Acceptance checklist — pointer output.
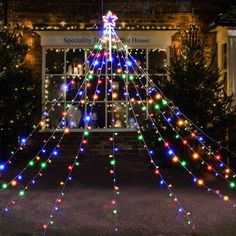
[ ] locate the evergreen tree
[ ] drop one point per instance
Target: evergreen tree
(196, 87)
(19, 96)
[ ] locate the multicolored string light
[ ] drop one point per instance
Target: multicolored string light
(63, 184)
(217, 157)
(41, 122)
(126, 61)
(43, 165)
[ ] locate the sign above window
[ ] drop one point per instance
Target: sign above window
(87, 39)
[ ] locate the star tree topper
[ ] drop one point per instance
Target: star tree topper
(109, 20)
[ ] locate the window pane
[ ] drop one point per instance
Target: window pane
(96, 84)
(54, 61)
(55, 116)
(137, 89)
(137, 61)
(137, 109)
(117, 111)
(75, 59)
(157, 61)
(117, 92)
(54, 87)
(74, 115)
(75, 88)
(157, 66)
(96, 111)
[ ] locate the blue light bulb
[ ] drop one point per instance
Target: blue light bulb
(170, 152)
(2, 167)
(23, 141)
(87, 118)
(129, 63)
(55, 152)
(19, 177)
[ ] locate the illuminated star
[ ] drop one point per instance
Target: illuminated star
(109, 19)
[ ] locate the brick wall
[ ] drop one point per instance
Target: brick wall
(98, 144)
(131, 13)
(132, 156)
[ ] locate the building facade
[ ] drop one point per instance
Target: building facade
(225, 28)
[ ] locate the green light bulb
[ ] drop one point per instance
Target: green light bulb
(113, 162)
(157, 106)
(31, 163)
(123, 76)
(176, 136)
(183, 163)
(89, 77)
(131, 77)
(164, 102)
(21, 193)
(43, 165)
(140, 137)
(4, 186)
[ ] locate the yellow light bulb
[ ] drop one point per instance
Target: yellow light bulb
(200, 182)
(195, 156)
(180, 122)
(114, 95)
(42, 123)
(66, 130)
(175, 159)
(13, 183)
(226, 198)
(158, 96)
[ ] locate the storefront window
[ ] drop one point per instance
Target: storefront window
(67, 79)
(54, 61)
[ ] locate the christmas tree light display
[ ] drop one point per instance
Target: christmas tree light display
(110, 63)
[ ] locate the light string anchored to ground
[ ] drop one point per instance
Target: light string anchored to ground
(181, 124)
(111, 48)
(43, 164)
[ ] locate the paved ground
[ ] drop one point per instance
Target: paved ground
(144, 207)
